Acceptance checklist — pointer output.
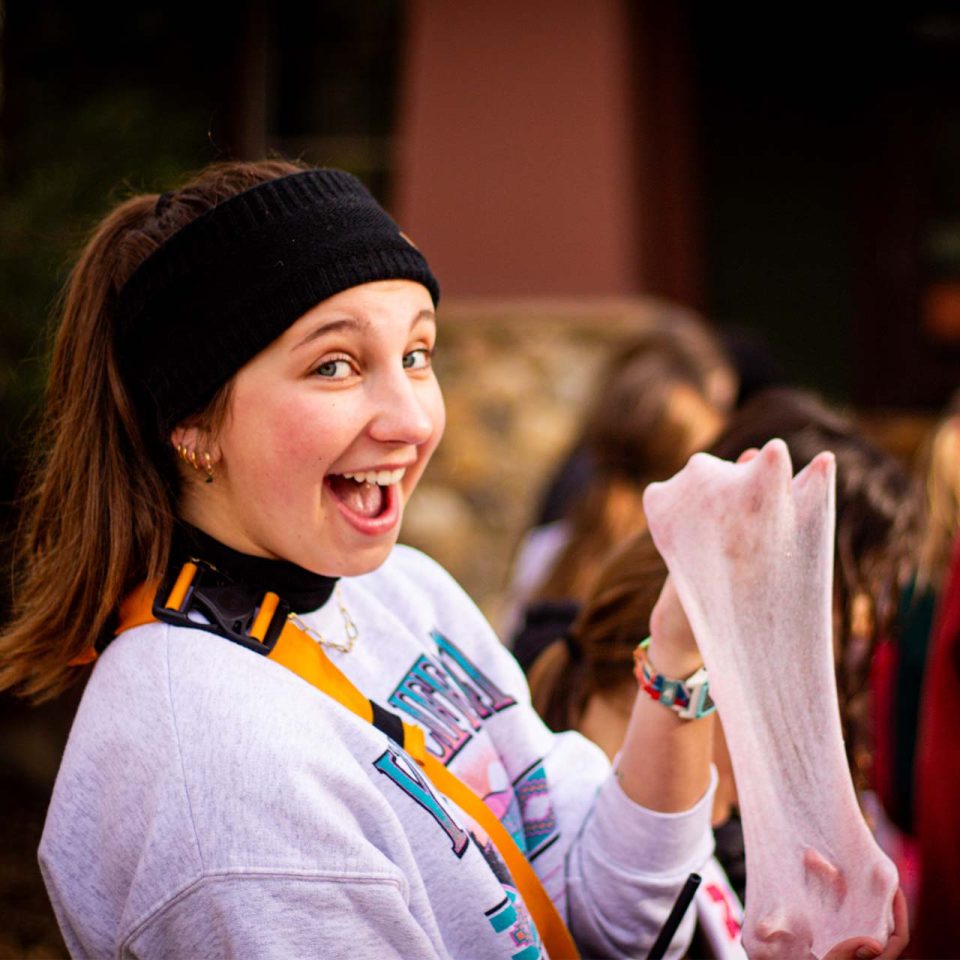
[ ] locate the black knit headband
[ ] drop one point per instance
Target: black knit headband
(230, 282)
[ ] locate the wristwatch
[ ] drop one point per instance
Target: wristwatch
(689, 699)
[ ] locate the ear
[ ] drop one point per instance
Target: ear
(193, 438)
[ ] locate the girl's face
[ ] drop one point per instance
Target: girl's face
(328, 432)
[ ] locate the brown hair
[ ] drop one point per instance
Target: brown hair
(939, 463)
(98, 514)
(650, 414)
(598, 655)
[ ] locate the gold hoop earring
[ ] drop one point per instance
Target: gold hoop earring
(190, 457)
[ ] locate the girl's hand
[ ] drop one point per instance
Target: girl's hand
(673, 648)
(865, 948)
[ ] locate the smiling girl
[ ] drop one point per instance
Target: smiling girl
(299, 738)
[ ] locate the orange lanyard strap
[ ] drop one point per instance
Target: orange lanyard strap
(271, 633)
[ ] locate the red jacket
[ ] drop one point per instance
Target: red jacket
(936, 927)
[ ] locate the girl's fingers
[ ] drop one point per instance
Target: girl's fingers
(866, 948)
(901, 928)
(856, 948)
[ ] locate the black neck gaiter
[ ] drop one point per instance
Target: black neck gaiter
(302, 589)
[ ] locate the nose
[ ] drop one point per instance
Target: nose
(405, 410)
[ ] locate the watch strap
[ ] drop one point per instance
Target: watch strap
(688, 698)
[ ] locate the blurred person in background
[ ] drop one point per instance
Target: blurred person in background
(900, 663)
(923, 759)
(661, 397)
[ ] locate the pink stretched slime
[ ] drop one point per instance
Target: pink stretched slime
(750, 550)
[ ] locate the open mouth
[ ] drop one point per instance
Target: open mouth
(368, 495)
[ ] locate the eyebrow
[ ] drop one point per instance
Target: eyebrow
(355, 323)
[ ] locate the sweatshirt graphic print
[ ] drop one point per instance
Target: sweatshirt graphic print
(451, 697)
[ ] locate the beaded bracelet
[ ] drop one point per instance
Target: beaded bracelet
(689, 699)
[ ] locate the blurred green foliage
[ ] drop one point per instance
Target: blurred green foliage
(86, 118)
(46, 214)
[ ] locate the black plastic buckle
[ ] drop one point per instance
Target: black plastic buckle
(228, 609)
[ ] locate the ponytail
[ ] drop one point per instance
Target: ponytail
(92, 524)
(98, 515)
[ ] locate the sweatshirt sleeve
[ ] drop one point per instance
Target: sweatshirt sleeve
(262, 916)
(626, 868)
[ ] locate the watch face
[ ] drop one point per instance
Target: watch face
(693, 699)
(706, 706)
(689, 698)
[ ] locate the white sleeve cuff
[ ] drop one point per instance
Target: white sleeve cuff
(647, 842)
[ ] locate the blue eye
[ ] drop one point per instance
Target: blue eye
(418, 359)
(336, 369)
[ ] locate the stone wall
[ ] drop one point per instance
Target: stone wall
(516, 375)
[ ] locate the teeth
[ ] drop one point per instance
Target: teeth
(383, 478)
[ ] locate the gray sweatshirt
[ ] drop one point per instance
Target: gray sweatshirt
(211, 803)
